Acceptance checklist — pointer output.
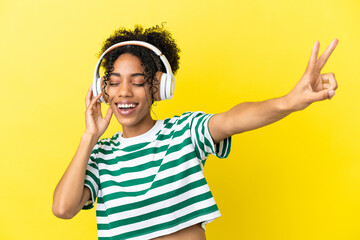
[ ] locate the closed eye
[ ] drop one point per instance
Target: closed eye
(135, 84)
(139, 84)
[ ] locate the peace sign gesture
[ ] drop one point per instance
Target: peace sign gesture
(314, 86)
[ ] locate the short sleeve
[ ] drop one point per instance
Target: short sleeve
(92, 178)
(202, 140)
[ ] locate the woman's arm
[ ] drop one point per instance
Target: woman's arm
(312, 87)
(70, 194)
(247, 116)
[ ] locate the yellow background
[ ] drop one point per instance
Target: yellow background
(296, 179)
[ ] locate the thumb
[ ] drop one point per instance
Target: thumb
(322, 95)
(109, 114)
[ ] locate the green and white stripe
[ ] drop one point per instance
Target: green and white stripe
(153, 184)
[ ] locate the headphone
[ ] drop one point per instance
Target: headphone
(167, 82)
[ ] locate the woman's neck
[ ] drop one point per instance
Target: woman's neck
(138, 129)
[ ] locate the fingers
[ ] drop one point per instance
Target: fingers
(313, 57)
(93, 101)
(88, 96)
(326, 54)
(330, 81)
(108, 114)
(318, 64)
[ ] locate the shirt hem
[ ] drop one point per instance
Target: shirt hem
(201, 219)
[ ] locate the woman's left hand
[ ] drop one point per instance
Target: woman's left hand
(314, 86)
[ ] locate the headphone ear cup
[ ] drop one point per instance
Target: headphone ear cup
(167, 86)
(172, 86)
(97, 89)
(163, 84)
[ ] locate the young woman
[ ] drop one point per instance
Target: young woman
(148, 179)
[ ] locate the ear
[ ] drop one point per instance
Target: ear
(157, 85)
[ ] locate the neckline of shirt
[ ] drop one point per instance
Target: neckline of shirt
(148, 136)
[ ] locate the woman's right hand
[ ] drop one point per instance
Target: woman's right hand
(95, 123)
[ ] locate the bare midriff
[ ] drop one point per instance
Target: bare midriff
(195, 232)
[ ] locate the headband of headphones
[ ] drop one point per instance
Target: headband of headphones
(167, 82)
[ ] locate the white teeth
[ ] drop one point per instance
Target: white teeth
(131, 105)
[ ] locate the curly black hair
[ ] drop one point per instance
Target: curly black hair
(157, 36)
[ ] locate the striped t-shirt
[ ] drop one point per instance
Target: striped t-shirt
(153, 184)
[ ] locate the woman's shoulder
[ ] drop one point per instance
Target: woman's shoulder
(108, 141)
(182, 119)
(186, 115)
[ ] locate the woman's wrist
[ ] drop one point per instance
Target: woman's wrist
(90, 138)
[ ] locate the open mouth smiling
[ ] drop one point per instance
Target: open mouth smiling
(126, 108)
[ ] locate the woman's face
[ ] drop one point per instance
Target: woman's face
(129, 94)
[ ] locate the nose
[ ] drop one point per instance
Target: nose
(125, 89)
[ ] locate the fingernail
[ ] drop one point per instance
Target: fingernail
(331, 93)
